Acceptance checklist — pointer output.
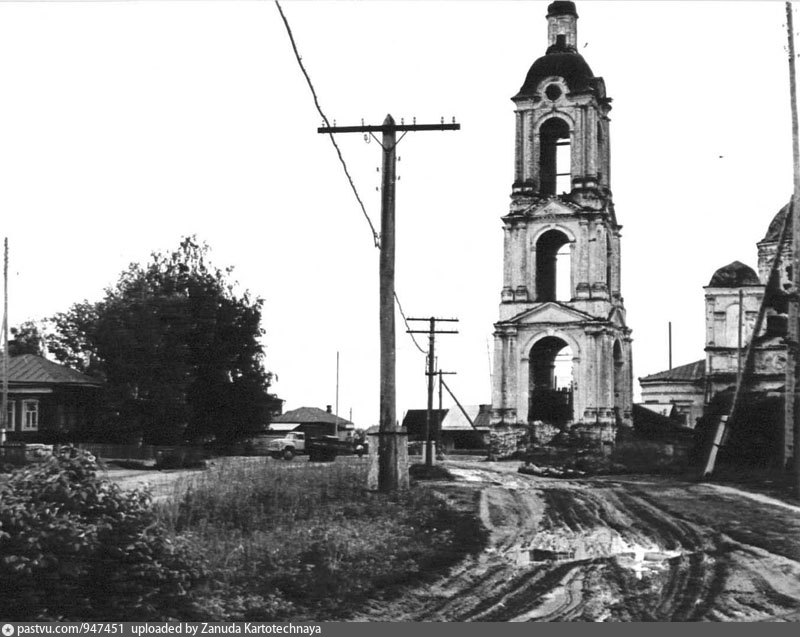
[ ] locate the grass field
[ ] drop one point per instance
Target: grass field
(305, 540)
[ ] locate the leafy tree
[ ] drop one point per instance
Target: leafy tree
(178, 346)
(68, 337)
(27, 339)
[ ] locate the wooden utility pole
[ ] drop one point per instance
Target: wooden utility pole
(669, 344)
(792, 407)
(440, 373)
(739, 339)
(438, 436)
(431, 332)
(389, 468)
(458, 404)
(337, 392)
(4, 402)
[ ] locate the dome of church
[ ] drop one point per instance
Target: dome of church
(776, 225)
(734, 275)
(562, 61)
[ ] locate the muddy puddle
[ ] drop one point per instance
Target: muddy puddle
(600, 544)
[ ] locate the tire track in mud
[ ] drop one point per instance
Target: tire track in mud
(601, 551)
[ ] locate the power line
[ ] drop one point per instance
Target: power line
(408, 327)
(375, 236)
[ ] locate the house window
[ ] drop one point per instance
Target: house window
(10, 424)
(30, 415)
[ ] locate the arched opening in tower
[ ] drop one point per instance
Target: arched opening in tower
(555, 158)
(551, 384)
(619, 381)
(553, 264)
(734, 315)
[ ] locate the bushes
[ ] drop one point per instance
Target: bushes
(74, 547)
(250, 542)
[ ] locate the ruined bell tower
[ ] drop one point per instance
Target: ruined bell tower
(562, 347)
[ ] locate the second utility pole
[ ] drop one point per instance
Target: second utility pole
(432, 332)
(389, 469)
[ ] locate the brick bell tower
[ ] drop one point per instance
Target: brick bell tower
(562, 347)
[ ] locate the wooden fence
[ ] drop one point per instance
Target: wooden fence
(19, 453)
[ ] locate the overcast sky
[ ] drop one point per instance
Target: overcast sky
(126, 125)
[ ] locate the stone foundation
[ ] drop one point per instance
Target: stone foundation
(594, 434)
(374, 436)
(504, 442)
(542, 433)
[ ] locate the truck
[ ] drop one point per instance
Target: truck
(318, 448)
(288, 446)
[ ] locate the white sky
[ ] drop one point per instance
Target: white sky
(125, 125)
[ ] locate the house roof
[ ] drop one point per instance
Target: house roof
(303, 415)
(30, 369)
(685, 373)
(662, 409)
(414, 420)
(455, 420)
(451, 419)
(283, 426)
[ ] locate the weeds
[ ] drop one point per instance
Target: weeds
(304, 540)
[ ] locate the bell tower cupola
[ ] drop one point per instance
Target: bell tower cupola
(562, 111)
(562, 25)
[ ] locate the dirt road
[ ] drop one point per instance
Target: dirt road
(624, 549)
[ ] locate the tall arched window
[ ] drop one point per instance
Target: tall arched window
(732, 318)
(601, 152)
(553, 258)
(554, 159)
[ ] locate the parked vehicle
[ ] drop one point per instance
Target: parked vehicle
(289, 446)
(318, 448)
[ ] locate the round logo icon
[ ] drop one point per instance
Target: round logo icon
(8, 630)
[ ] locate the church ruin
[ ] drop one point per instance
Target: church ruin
(746, 322)
(562, 347)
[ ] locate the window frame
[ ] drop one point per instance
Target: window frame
(11, 416)
(25, 426)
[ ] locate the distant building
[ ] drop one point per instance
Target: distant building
(736, 299)
(678, 393)
(48, 402)
(455, 430)
(415, 419)
(313, 421)
(459, 433)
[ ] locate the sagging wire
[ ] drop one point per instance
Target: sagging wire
(408, 327)
(375, 235)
